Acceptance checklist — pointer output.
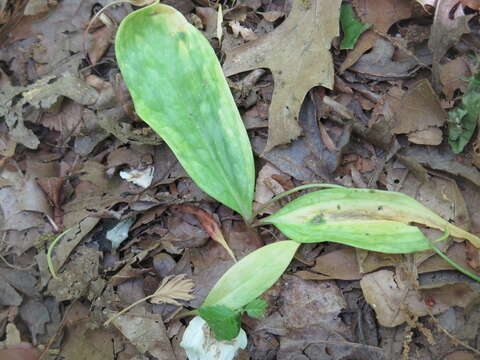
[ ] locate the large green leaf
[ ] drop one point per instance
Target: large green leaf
(251, 276)
(368, 219)
(178, 88)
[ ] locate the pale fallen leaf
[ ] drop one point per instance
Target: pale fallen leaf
(297, 53)
(172, 288)
(245, 33)
(267, 187)
(140, 177)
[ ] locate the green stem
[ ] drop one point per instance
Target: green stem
(450, 261)
(49, 254)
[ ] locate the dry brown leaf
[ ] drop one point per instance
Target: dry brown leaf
(272, 16)
(365, 42)
(339, 264)
(453, 74)
(419, 114)
(267, 187)
(173, 288)
(383, 13)
(210, 226)
(379, 63)
(297, 53)
(418, 109)
(394, 302)
(430, 136)
(446, 30)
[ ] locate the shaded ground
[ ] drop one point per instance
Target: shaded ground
(74, 155)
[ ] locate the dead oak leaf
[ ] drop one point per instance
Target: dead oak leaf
(297, 53)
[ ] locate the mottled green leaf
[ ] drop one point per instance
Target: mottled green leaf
(368, 219)
(463, 119)
(352, 28)
(178, 88)
(224, 322)
(252, 276)
(256, 308)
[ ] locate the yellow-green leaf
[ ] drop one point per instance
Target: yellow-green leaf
(252, 276)
(178, 88)
(368, 219)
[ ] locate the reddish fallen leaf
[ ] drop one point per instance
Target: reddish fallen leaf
(209, 225)
(23, 351)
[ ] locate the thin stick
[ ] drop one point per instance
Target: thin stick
(106, 323)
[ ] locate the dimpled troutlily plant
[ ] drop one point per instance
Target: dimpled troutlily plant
(179, 90)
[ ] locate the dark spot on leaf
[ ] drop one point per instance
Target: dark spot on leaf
(318, 219)
(182, 36)
(338, 207)
(380, 208)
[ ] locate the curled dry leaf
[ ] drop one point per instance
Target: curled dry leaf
(210, 226)
(172, 288)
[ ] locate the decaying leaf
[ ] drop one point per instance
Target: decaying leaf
(308, 158)
(302, 39)
(173, 288)
(210, 226)
(419, 110)
(147, 332)
(442, 159)
(446, 30)
(394, 302)
(453, 76)
(379, 63)
(382, 14)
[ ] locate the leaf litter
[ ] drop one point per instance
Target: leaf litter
(372, 115)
